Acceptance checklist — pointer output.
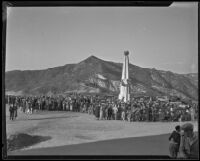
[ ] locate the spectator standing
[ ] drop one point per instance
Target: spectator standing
(109, 112)
(11, 110)
(192, 113)
(123, 114)
(189, 148)
(106, 112)
(115, 110)
(15, 111)
(71, 106)
(97, 111)
(174, 142)
(101, 112)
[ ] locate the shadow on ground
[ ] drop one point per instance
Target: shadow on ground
(21, 140)
(156, 145)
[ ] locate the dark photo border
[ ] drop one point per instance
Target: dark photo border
(6, 4)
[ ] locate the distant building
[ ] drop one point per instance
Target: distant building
(163, 98)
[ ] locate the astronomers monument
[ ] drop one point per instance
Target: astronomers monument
(124, 94)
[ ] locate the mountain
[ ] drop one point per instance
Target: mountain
(94, 75)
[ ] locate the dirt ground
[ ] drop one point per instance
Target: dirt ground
(67, 128)
(146, 146)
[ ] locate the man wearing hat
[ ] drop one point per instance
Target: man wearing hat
(189, 142)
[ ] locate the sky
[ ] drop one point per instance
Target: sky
(165, 38)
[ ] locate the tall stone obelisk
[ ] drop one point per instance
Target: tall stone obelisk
(124, 94)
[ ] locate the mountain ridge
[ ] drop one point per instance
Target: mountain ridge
(85, 77)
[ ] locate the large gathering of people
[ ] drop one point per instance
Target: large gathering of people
(106, 107)
(148, 109)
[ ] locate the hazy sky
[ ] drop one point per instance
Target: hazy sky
(165, 38)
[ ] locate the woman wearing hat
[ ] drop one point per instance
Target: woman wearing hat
(189, 142)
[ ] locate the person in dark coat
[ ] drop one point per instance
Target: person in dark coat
(147, 113)
(174, 142)
(106, 112)
(109, 112)
(15, 111)
(11, 110)
(97, 111)
(150, 114)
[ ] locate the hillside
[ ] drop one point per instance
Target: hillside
(94, 75)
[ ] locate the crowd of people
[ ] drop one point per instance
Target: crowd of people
(105, 107)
